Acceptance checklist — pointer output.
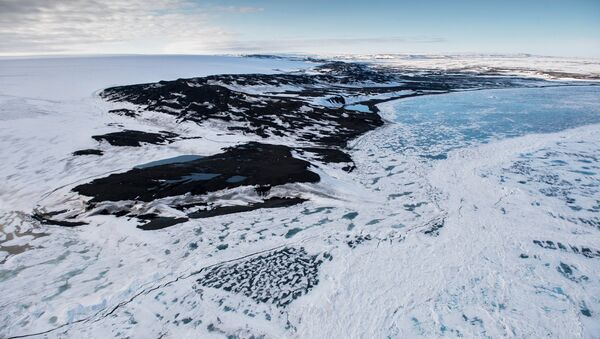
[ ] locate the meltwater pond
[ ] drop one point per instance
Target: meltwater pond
(432, 125)
(173, 160)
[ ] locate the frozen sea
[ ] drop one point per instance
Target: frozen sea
(434, 125)
(469, 214)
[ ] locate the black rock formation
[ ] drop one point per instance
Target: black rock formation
(136, 138)
(253, 164)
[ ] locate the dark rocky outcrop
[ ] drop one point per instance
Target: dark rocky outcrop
(135, 138)
(252, 164)
(88, 152)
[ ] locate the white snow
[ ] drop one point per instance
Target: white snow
(519, 64)
(79, 77)
(480, 275)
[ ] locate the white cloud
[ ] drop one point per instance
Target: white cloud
(239, 9)
(154, 26)
(107, 26)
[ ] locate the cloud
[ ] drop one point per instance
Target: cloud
(97, 26)
(239, 9)
(154, 26)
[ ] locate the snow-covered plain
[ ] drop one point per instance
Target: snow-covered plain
(522, 64)
(438, 232)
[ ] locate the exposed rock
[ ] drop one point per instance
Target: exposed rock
(88, 152)
(136, 138)
(259, 164)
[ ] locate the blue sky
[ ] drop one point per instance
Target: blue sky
(529, 26)
(547, 27)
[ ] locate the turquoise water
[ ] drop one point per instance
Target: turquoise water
(174, 160)
(236, 179)
(435, 124)
(359, 108)
(193, 177)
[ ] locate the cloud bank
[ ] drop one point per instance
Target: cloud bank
(149, 27)
(107, 26)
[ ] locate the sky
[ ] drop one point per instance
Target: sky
(542, 27)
